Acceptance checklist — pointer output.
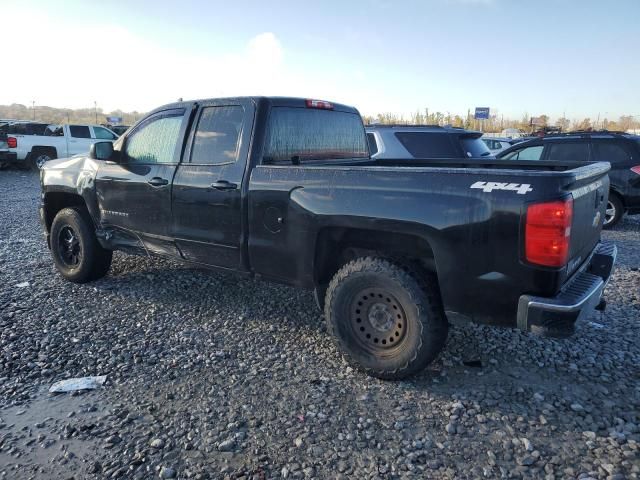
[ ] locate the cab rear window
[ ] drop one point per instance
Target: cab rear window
(299, 135)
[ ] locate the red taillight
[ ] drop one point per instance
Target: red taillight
(319, 104)
(12, 142)
(636, 169)
(548, 231)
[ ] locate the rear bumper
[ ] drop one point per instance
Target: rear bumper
(556, 316)
(8, 156)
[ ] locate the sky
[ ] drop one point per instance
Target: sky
(577, 58)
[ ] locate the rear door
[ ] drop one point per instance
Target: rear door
(134, 194)
(207, 188)
(620, 156)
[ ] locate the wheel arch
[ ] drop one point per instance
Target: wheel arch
(613, 190)
(53, 202)
(336, 246)
(44, 148)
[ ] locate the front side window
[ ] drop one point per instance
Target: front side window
(79, 131)
(427, 144)
(217, 137)
(569, 151)
(154, 142)
(297, 135)
(527, 153)
(103, 133)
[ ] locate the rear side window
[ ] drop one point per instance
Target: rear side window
(304, 134)
(79, 131)
(611, 152)
(217, 137)
(373, 146)
(427, 145)
(475, 147)
(54, 131)
(568, 151)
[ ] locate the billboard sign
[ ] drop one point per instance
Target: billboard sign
(482, 113)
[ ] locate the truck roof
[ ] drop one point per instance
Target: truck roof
(266, 101)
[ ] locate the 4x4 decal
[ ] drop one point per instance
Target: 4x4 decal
(520, 188)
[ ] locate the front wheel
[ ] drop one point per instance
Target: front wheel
(76, 252)
(386, 319)
(614, 212)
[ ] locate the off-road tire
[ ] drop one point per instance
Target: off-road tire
(419, 330)
(91, 261)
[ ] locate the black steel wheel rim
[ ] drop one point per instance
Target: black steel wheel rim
(377, 320)
(69, 247)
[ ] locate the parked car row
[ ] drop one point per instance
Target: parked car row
(621, 150)
(32, 144)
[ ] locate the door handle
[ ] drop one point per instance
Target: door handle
(158, 182)
(224, 185)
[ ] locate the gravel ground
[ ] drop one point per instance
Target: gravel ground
(210, 376)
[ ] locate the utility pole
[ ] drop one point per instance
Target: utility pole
(95, 109)
(33, 107)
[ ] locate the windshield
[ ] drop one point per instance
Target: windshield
(475, 147)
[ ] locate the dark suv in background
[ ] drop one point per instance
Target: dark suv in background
(621, 150)
(425, 141)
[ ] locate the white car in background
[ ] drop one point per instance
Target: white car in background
(58, 141)
(498, 144)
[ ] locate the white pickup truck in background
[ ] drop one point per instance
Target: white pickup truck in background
(58, 141)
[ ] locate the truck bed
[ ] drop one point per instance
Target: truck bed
(469, 213)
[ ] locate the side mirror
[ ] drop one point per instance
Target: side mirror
(101, 151)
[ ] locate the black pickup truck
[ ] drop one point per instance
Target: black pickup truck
(285, 189)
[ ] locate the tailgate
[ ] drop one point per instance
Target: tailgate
(590, 191)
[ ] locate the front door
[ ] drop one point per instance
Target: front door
(79, 140)
(134, 193)
(207, 188)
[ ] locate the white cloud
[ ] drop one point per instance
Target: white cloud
(70, 65)
(67, 65)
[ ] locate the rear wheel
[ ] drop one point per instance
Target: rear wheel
(40, 156)
(76, 252)
(386, 319)
(614, 212)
